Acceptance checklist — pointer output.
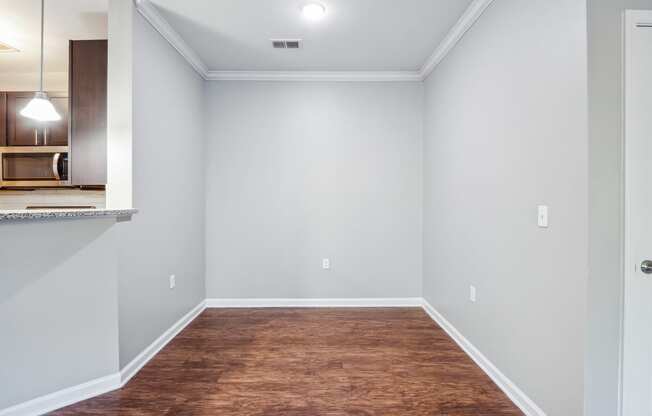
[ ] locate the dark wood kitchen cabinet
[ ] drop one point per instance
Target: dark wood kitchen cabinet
(23, 131)
(3, 119)
(88, 103)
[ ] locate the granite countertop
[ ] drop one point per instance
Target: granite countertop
(53, 214)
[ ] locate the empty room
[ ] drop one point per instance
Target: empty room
(325, 207)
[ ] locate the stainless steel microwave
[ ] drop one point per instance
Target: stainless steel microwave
(34, 167)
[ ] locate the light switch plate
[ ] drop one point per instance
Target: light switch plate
(472, 294)
(325, 264)
(173, 281)
(542, 216)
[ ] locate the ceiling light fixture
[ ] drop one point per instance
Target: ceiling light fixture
(5, 48)
(313, 11)
(40, 108)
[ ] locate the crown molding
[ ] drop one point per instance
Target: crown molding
(468, 19)
(151, 14)
(334, 76)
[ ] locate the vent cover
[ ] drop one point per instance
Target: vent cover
(6, 48)
(286, 43)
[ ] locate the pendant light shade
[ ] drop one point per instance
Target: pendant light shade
(40, 108)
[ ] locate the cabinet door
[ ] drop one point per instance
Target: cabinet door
(3, 119)
(23, 131)
(88, 102)
(56, 133)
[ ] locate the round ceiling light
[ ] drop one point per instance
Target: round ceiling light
(313, 11)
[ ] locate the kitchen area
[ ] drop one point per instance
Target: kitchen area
(53, 105)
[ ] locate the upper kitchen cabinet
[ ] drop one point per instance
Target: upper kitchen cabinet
(3, 119)
(88, 115)
(23, 131)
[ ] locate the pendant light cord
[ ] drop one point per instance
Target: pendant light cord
(42, 46)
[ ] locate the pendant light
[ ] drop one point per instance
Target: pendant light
(40, 108)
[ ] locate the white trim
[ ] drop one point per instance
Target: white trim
(149, 12)
(336, 76)
(468, 19)
(512, 391)
(150, 352)
(623, 216)
(65, 397)
(315, 303)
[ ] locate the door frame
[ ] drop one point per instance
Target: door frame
(631, 19)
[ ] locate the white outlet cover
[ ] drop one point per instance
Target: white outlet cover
(173, 281)
(472, 294)
(326, 264)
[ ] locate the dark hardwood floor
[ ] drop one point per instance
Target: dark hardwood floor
(306, 362)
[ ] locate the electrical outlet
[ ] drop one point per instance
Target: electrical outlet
(173, 281)
(472, 293)
(325, 264)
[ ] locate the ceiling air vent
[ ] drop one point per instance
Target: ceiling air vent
(286, 43)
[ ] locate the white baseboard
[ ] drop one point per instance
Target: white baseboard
(66, 397)
(315, 303)
(148, 353)
(515, 394)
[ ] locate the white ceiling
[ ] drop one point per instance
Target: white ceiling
(355, 35)
(64, 20)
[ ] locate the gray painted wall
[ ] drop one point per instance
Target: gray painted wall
(605, 199)
(58, 306)
(167, 235)
(82, 298)
(505, 131)
(513, 87)
(297, 172)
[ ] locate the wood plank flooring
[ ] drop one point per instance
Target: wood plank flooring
(307, 362)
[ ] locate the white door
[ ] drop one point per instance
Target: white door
(637, 354)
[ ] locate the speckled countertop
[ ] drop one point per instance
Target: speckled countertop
(53, 214)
